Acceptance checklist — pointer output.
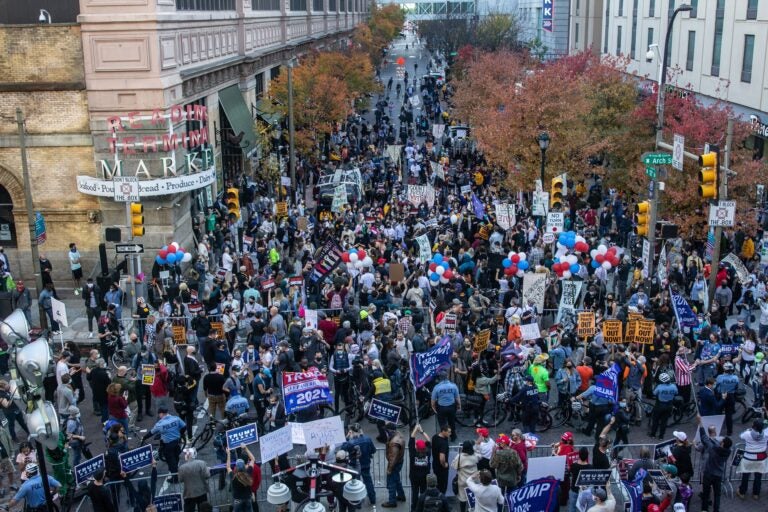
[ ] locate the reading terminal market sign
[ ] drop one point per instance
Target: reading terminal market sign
(136, 150)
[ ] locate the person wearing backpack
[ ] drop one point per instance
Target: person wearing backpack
(432, 500)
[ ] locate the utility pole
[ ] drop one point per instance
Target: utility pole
(30, 214)
(291, 148)
(722, 195)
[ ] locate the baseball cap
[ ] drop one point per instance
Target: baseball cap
(482, 431)
(421, 445)
(600, 493)
(504, 440)
(670, 468)
(680, 436)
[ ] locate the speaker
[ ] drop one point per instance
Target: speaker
(15, 327)
(103, 259)
(112, 234)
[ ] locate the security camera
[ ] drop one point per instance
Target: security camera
(649, 56)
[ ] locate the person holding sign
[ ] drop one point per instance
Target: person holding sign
(242, 481)
(170, 428)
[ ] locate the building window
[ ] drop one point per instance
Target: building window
(621, 8)
(577, 7)
(618, 40)
(192, 126)
(691, 50)
(205, 5)
(7, 224)
(746, 63)
(751, 9)
(650, 37)
(605, 30)
(717, 44)
(633, 42)
(259, 85)
(577, 33)
(298, 5)
(274, 72)
(651, 8)
(265, 5)
(318, 5)
(332, 5)
(694, 8)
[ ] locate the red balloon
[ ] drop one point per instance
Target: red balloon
(508, 271)
(163, 254)
(513, 268)
(361, 254)
(447, 274)
(171, 248)
(432, 267)
(600, 258)
(615, 261)
(559, 273)
(515, 258)
(345, 257)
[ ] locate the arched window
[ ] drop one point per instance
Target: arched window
(7, 225)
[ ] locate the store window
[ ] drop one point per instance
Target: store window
(7, 225)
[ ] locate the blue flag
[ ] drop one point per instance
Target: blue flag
(539, 495)
(478, 206)
(425, 366)
(607, 383)
(683, 312)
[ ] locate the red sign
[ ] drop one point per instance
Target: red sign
(267, 284)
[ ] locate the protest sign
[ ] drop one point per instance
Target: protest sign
(220, 367)
(310, 318)
(571, 291)
(267, 284)
(741, 271)
(607, 383)
(449, 323)
(136, 459)
(612, 331)
(241, 436)
(87, 469)
(168, 503)
(430, 223)
(634, 317)
(482, 339)
(663, 449)
(593, 477)
(505, 215)
(276, 443)
(534, 288)
(339, 198)
(426, 365)
(545, 467)
(396, 272)
(247, 243)
(147, 374)
(659, 479)
(327, 258)
(281, 209)
(683, 312)
(326, 431)
(383, 411)
(530, 332)
(295, 281)
(302, 390)
(297, 433)
(644, 332)
(302, 223)
(466, 189)
(586, 324)
(425, 250)
(537, 495)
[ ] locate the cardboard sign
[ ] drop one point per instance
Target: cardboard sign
(586, 325)
(326, 431)
(543, 467)
(449, 323)
(85, 470)
(297, 433)
(242, 436)
(281, 209)
(612, 331)
(634, 317)
(139, 458)
(220, 367)
(396, 272)
(302, 223)
(276, 443)
(466, 189)
(530, 332)
(658, 478)
(147, 374)
(430, 223)
(715, 420)
(645, 331)
(593, 477)
(482, 339)
(169, 503)
(267, 284)
(247, 243)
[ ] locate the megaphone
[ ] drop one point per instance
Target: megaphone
(43, 424)
(15, 329)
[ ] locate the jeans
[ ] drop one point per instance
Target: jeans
(714, 483)
(365, 473)
(193, 504)
(395, 483)
(54, 325)
(122, 421)
(77, 452)
(242, 506)
(92, 313)
(756, 486)
(13, 415)
(573, 498)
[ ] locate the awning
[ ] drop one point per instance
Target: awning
(267, 113)
(239, 116)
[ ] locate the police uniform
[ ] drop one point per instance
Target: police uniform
(665, 394)
(33, 494)
(728, 383)
(170, 427)
(446, 396)
(528, 398)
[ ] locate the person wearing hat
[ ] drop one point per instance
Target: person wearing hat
(340, 367)
(681, 453)
(432, 500)
(194, 475)
(726, 385)
(170, 429)
(32, 491)
(420, 461)
(665, 393)
(529, 399)
(360, 443)
(75, 434)
(446, 402)
(506, 463)
(484, 448)
(604, 500)
(242, 481)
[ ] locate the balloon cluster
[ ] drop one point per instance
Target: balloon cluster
(566, 266)
(605, 257)
(515, 264)
(570, 240)
(439, 270)
(172, 254)
(357, 257)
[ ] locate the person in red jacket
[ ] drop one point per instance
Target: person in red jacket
(160, 389)
(256, 477)
(518, 444)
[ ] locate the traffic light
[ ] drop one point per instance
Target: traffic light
(708, 175)
(642, 218)
(233, 202)
(556, 193)
(137, 219)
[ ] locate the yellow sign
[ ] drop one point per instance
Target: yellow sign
(612, 331)
(632, 317)
(482, 339)
(282, 209)
(645, 332)
(220, 367)
(147, 374)
(586, 325)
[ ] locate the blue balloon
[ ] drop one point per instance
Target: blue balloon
(437, 258)
(523, 265)
(594, 264)
(574, 268)
(159, 260)
(171, 258)
(164, 248)
(434, 277)
(352, 250)
(506, 263)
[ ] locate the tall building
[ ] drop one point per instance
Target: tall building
(713, 52)
(545, 24)
(164, 90)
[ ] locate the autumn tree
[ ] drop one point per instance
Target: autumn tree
(383, 26)
(353, 67)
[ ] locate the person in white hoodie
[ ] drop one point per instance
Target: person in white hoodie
(487, 495)
(755, 460)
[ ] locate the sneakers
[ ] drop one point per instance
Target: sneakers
(90, 335)
(740, 495)
(389, 504)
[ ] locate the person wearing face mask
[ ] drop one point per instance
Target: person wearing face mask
(75, 435)
(340, 368)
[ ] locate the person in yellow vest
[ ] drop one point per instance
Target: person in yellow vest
(382, 390)
(540, 376)
(747, 249)
(479, 179)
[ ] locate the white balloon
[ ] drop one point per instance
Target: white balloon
(520, 273)
(593, 253)
(602, 249)
(443, 280)
(454, 219)
(186, 258)
(567, 274)
(522, 255)
(175, 244)
(353, 257)
(561, 253)
(572, 259)
(359, 263)
(580, 238)
(606, 265)
(560, 246)
(439, 270)
(433, 283)
(511, 253)
(367, 261)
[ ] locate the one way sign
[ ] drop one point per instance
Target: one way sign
(129, 248)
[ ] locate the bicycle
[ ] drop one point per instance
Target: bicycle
(504, 409)
(572, 413)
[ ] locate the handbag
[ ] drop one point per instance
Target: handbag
(455, 481)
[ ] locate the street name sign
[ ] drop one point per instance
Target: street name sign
(657, 159)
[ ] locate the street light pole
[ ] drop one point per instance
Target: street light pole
(654, 190)
(291, 148)
(543, 140)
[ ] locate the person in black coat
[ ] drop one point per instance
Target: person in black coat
(99, 380)
(710, 403)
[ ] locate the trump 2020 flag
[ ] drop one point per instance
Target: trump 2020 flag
(539, 495)
(426, 365)
(683, 312)
(607, 383)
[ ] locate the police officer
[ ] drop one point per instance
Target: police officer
(170, 428)
(340, 368)
(361, 449)
(665, 393)
(236, 405)
(726, 385)
(446, 402)
(528, 399)
(599, 407)
(32, 491)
